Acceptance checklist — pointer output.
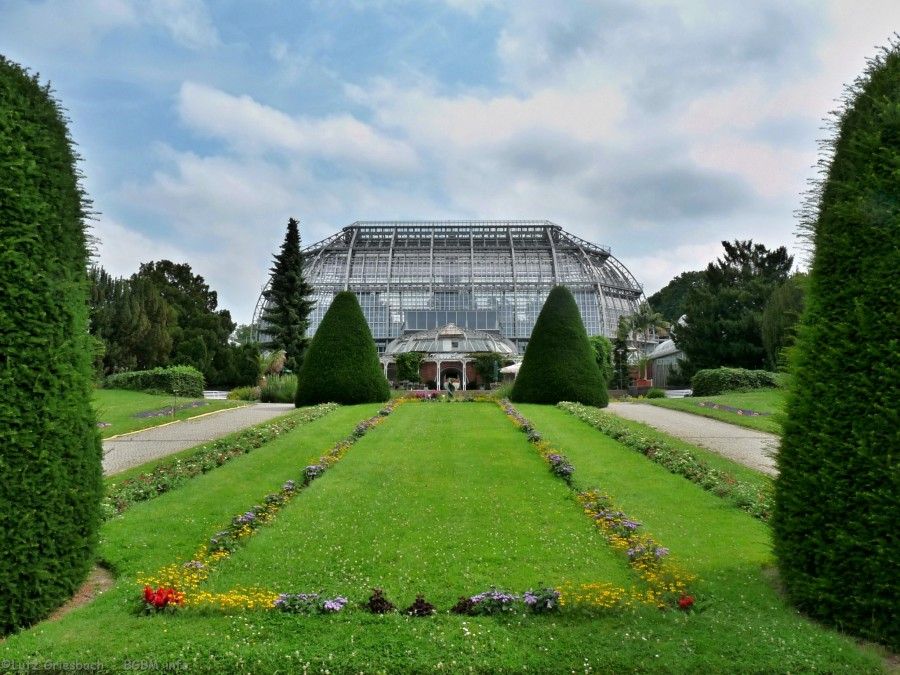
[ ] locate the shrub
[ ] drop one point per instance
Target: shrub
(378, 604)
(559, 363)
(244, 394)
(836, 505)
(712, 381)
(182, 380)
(50, 472)
(603, 349)
(655, 392)
(341, 364)
(279, 389)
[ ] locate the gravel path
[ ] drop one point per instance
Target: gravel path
(755, 449)
(128, 450)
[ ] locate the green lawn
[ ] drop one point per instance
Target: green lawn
(118, 407)
(467, 505)
(759, 400)
(443, 499)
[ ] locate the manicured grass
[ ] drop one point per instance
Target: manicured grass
(759, 400)
(465, 506)
(453, 463)
(118, 407)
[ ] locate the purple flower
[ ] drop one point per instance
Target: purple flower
(288, 486)
(334, 604)
(661, 551)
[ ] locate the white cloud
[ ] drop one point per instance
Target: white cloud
(64, 24)
(121, 250)
(656, 270)
(251, 127)
(187, 21)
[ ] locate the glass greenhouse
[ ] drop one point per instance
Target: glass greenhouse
(493, 276)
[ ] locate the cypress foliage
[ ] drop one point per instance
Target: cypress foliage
(341, 363)
(288, 302)
(559, 363)
(838, 493)
(50, 475)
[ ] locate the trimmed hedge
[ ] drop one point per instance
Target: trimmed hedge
(184, 380)
(837, 504)
(712, 381)
(341, 364)
(560, 364)
(50, 472)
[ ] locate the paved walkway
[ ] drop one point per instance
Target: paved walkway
(751, 448)
(126, 451)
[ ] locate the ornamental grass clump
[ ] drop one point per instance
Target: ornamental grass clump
(559, 363)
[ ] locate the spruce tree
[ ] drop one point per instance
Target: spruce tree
(288, 302)
(837, 498)
(341, 364)
(50, 472)
(559, 363)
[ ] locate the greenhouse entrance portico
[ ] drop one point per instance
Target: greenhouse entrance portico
(448, 353)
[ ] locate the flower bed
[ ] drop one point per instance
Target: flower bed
(185, 579)
(666, 583)
(756, 501)
(170, 475)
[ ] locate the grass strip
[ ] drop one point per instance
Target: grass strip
(667, 585)
(172, 473)
(177, 585)
(116, 408)
(755, 499)
(769, 401)
(446, 500)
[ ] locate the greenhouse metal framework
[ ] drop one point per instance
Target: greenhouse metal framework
(486, 275)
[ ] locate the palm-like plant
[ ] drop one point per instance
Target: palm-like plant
(638, 327)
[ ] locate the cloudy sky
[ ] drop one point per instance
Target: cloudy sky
(656, 128)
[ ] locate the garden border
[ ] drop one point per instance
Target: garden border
(172, 474)
(758, 502)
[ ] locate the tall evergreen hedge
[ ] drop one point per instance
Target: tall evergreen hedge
(560, 364)
(341, 364)
(837, 503)
(50, 475)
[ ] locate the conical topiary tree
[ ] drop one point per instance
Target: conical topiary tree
(50, 475)
(837, 497)
(341, 363)
(559, 363)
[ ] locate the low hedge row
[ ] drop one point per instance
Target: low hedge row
(712, 381)
(180, 380)
(756, 501)
(170, 475)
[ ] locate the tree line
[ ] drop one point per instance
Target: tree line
(741, 311)
(164, 314)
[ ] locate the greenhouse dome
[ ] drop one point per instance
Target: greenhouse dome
(483, 275)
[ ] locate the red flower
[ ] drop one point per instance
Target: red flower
(686, 602)
(161, 597)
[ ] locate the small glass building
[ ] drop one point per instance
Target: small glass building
(482, 275)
